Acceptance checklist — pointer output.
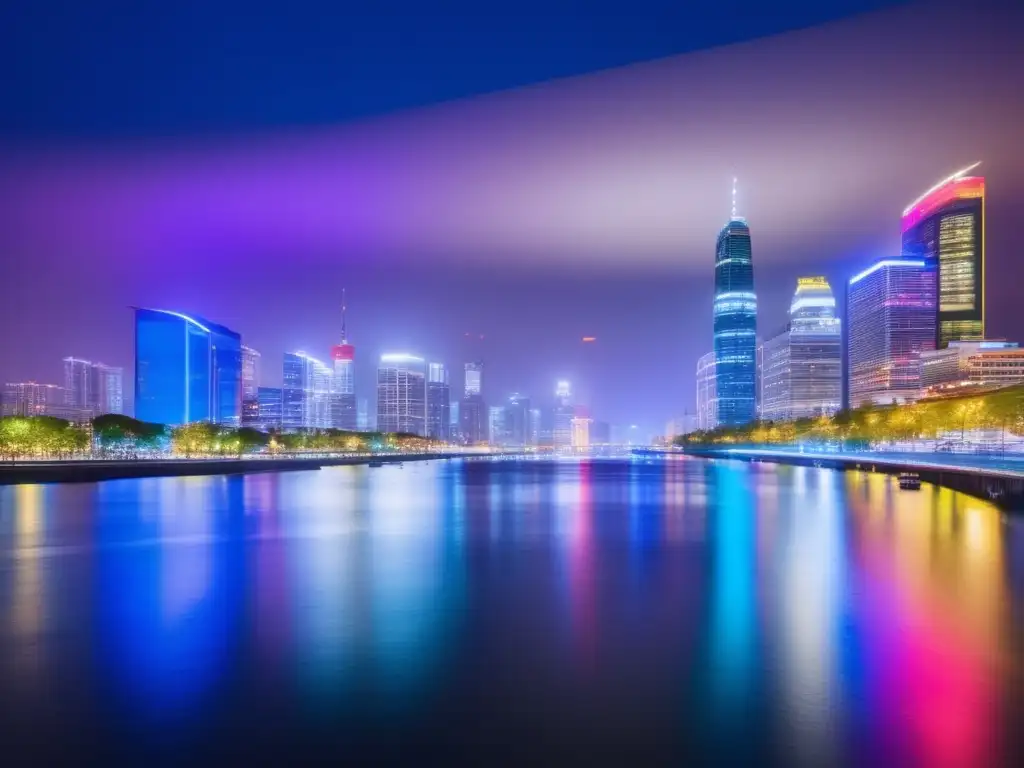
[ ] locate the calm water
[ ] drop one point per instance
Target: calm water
(470, 611)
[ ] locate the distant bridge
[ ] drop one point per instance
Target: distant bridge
(995, 478)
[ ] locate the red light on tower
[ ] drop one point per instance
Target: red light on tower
(343, 352)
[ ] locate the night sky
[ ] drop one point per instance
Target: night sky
(533, 178)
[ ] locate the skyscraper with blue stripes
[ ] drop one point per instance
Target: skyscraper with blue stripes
(735, 324)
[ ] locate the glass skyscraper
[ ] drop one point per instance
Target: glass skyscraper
(401, 394)
(305, 397)
(561, 434)
(269, 401)
(801, 375)
(735, 325)
(891, 321)
(438, 402)
(250, 386)
(344, 409)
(186, 369)
(473, 414)
(707, 417)
(93, 388)
(946, 227)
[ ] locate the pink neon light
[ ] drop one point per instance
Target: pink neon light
(957, 189)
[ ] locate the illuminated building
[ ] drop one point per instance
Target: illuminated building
(707, 415)
(186, 369)
(93, 388)
(971, 364)
(891, 322)
(517, 421)
(344, 409)
(269, 402)
(580, 427)
(306, 394)
(564, 412)
(496, 425)
(438, 402)
(250, 386)
(735, 324)
(535, 426)
(363, 414)
(473, 414)
(802, 365)
(946, 226)
(28, 398)
(401, 394)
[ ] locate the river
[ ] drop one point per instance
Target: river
(496, 611)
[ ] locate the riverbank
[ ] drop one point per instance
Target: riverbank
(90, 471)
(995, 481)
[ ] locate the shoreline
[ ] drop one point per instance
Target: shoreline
(91, 471)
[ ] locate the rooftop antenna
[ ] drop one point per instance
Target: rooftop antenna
(734, 216)
(344, 307)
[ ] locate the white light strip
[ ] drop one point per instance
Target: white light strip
(186, 318)
(886, 263)
(941, 184)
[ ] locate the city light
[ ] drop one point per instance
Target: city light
(885, 263)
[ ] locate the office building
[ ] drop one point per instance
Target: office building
(971, 364)
(517, 421)
(344, 409)
(563, 415)
(580, 428)
(707, 414)
(93, 388)
(802, 364)
(891, 322)
(401, 394)
(363, 415)
(186, 369)
(29, 398)
(438, 402)
(306, 394)
(496, 425)
(735, 324)
(473, 414)
(250, 386)
(535, 426)
(946, 227)
(269, 408)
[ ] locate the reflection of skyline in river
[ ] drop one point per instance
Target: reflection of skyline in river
(840, 615)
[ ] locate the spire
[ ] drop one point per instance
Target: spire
(344, 307)
(734, 216)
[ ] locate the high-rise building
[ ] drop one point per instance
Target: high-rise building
(496, 425)
(250, 387)
(971, 363)
(707, 413)
(802, 365)
(186, 369)
(363, 414)
(306, 394)
(28, 398)
(401, 394)
(535, 426)
(93, 388)
(473, 414)
(735, 323)
(891, 321)
(946, 227)
(269, 404)
(438, 402)
(344, 409)
(517, 421)
(564, 412)
(580, 428)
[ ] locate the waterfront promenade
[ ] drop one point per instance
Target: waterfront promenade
(996, 478)
(92, 470)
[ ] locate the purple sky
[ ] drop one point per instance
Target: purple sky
(585, 206)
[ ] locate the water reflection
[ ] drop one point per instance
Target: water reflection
(736, 612)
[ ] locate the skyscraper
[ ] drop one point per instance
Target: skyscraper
(305, 396)
(344, 410)
(735, 323)
(473, 415)
(438, 402)
(580, 427)
(401, 394)
(93, 388)
(517, 421)
(564, 412)
(250, 386)
(186, 369)
(891, 321)
(802, 364)
(707, 414)
(28, 398)
(946, 227)
(496, 425)
(269, 403)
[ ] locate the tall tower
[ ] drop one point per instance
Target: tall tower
(344, 409)
(946, 227)
(401, 394)
(735, 323)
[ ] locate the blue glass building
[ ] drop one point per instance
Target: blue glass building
(735, 324)
(186, 369)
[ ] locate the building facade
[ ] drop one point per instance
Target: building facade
(735, 326)
(946, 227)
(270, 408)
(707, 413)
(891, 322)
(306, 394)
(401, 394)
(438, 402)
(971, 364)
(561, 430)
(250, 386)
(518, 432)
(186, 369)
(344, 407)
(93, 388)
(28, 398)
(474, 424)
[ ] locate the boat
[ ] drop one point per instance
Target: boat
(910, 481)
